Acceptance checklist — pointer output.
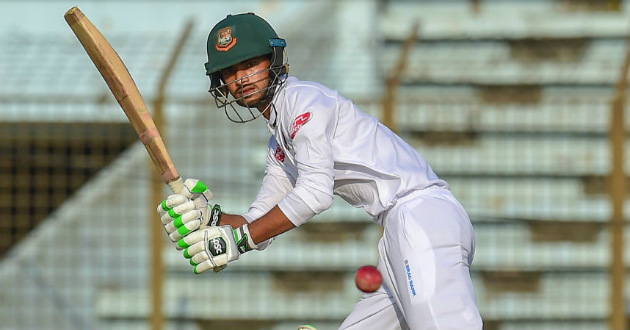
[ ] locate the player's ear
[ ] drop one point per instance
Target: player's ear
(216, 83)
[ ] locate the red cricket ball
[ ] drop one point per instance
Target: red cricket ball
(368, 278)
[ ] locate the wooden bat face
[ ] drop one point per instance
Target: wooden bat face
(122, 85)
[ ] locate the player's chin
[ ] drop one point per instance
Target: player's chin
(250, 101)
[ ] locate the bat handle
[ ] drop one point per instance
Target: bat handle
(176, 185)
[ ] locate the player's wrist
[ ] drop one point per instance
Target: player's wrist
(244, 240)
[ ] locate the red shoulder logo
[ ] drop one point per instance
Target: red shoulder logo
(299, 122)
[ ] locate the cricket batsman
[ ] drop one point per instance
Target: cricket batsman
(322, 145)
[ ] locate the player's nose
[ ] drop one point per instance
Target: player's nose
(242, 76)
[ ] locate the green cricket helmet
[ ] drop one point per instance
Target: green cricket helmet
(235, 39)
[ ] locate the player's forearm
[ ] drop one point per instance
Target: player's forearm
(270, 225)
(233, 220)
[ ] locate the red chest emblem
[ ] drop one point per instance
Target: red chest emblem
(279, 154)
(299, 122)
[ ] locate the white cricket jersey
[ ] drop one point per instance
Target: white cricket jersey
(323, 145)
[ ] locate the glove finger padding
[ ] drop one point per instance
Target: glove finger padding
(178, 211)
(184, 230)
(198, 191)
(171, 202)
(181, 219)
(195, 249)
(201, 195)
(179, 225)
(186, 212)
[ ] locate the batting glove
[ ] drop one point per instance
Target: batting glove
(188, 211)
(213, 247)
(306, 327)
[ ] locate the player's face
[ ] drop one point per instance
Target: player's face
(247, 81)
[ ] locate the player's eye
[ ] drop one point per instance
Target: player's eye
(227, 73)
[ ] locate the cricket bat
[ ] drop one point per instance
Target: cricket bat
(126, 93)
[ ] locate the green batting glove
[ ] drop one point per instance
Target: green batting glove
(184, 213)
(214, 247)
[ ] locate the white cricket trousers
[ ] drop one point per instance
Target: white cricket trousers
(425, 255)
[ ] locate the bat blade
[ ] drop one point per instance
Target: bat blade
(124, 89)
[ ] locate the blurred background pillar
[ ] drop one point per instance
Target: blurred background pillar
(393, 80)
(617, 189)
(157, 194)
